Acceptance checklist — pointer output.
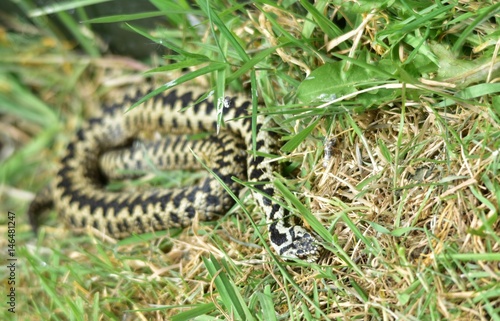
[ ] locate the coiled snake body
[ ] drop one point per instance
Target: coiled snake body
(97, 154)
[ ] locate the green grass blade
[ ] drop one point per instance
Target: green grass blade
(135, 16)
(182, 79)
(482, 14)
(63, 6)
(194, 313)
(228, 35)
(230, 296)
(296, 140)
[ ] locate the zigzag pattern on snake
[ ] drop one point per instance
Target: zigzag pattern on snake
(102, 149)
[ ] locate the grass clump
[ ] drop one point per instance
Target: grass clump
(389, 115)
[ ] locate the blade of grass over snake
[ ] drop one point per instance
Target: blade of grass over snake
(304, 212)
(316, 225)
(295, 141)
(182, 79)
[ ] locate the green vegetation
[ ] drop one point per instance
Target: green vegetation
(390, 118)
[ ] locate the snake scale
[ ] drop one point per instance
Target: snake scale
(104, 147)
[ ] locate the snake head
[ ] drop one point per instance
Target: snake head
(294, 242)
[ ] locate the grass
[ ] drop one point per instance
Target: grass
(389, 114)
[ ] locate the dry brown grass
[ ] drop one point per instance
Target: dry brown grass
(408, 186)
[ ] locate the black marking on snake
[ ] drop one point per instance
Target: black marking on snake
(166, 145)
(168, 100)
(70, 153)
(186, 99)
(188, 124)
(184, 143)
(203, 143)
(120, 227)
(241, 111)
(201, 126)
(269, 192)
(136, 203)
(83, 222)
(191, 196)
(191, 212)
(178, 199)
(156, 101)
(125, 225)
(109, 226)
(156, 147)
(223, 163)
(83, 202)
(209, 107)
(158, 219)
(174, 218)
(139, 224)
(228, 180)
(108, 110)
(80, 134)
(278, 238)
(198, 105)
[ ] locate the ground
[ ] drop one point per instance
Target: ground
(389, 116)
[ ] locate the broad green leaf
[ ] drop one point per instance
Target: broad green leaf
(333, 80)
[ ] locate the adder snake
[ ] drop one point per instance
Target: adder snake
(98, 152)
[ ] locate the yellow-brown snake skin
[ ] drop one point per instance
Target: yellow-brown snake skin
(103, 148)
